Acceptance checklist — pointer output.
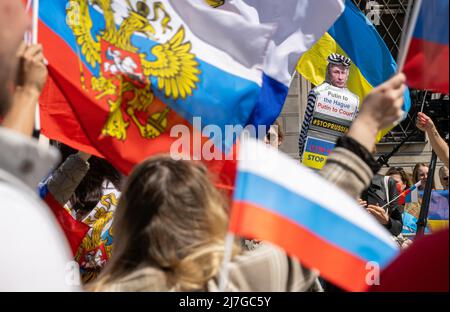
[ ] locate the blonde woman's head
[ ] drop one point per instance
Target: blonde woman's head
(171, 218)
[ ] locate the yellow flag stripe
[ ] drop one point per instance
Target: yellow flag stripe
(313, 66)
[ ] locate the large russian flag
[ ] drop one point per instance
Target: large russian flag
(127, 77)
(280, 201)
(427, 64)
(299, 25)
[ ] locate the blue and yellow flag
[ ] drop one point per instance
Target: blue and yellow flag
(353, 35)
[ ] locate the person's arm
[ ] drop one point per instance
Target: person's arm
(438, 144)
(65, 180)
(306, 122)
(351, 165)
(31, 77)
(391, 217)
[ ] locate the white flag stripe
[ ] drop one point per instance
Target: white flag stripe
(300, 24)
(199, 21)
(275, 166)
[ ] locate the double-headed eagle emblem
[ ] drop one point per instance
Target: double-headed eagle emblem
(215, 3)
(125, 72)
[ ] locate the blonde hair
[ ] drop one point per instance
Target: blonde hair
(172, 219)
(416, 177)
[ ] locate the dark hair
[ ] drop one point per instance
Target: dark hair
(280, 132)
(400, 171)
(90, 191)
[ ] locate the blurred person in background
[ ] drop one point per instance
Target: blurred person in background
(420, 173)
(443, 176)
(88, 187)
(275, 136)
(439, 145)
(401, 177)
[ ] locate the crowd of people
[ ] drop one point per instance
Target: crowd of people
(163, 228)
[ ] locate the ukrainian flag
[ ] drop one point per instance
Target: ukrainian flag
(354, 36)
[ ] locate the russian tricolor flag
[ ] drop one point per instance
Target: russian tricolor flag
(412, 194)
(164, 64)
(427, 64)
(279, 201)
(299, 25)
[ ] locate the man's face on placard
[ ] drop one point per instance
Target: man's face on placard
(339, 75)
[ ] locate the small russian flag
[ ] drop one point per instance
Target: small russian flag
(282, 202)
(427, 64)
(411, 195)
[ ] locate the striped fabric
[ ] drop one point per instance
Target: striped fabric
(306, 122)
(309, 113)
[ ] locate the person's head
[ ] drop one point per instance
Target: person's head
(443, 176)
(170, 218)
(400, 177)
(90, 191)
(275, 136)
(13, 23)
(338, 70)
(420, 173)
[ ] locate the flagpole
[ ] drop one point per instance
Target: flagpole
(406, 23)
(383, 160)
(35, 34)
(34, 40)
(407, 41)
(223, 279)
(35, 21)
(424, 208)
(393, 200)
(423, 102)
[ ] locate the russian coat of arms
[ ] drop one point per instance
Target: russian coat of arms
(215, 3)
(124, 71)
